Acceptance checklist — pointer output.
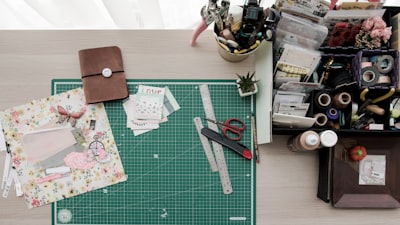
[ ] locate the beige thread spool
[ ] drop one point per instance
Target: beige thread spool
(323, 100)
(321, 119)
(306, 141)
(341, 100)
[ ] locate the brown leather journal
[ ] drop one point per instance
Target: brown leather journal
(103, 75)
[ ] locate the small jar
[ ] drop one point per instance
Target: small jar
(328, 138)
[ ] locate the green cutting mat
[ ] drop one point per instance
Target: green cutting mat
(169, 178)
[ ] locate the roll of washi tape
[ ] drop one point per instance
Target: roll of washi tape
(384, 79)
(321, 119)
(369, 76)
(366, 64)
(341, 100)
(323, 100)
(384, 63)
(332, 114)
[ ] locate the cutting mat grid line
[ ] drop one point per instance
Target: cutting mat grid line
(169, 178)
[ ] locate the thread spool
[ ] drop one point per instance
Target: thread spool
(341, 100)
(321, 119)
(328, 138)
(323, 100)
(332, 114)
(306, 141)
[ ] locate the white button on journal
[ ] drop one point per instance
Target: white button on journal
(107, 72)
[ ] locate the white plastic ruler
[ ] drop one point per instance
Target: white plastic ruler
(206, 145)
(218, 151)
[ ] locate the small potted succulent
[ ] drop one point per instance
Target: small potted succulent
(247, 84)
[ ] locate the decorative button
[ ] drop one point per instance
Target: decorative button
(106, 72)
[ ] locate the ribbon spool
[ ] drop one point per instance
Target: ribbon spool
(323, 100)
(369, 76)
(341, 100)
(384, 63)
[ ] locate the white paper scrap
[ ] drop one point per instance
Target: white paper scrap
(3, 146)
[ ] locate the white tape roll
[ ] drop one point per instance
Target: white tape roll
(385, 63)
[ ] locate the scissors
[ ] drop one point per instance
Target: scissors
(230, 129)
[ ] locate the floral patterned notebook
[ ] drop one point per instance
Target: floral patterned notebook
(61, 147)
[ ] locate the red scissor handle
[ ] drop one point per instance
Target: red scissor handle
(233, 131)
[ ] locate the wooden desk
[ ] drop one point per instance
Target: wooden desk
(286, 181)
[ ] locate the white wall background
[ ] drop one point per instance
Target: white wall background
(104, 14)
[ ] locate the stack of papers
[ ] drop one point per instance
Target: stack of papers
(290, 103)
(148, 108)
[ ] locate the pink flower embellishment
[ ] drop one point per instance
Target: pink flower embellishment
(53, 109)
(16, 161)
(379, 23)
(99, 134)
(14, 114)
(386, 34)
(377, 33)
(35, 203)
(368, 25)
(118, 175)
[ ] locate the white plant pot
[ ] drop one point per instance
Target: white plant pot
(247, 93)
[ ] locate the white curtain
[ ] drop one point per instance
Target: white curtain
(103, 14)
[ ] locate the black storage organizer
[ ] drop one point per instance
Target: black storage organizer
(351, 58)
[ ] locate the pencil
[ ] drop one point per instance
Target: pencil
(253, 124)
